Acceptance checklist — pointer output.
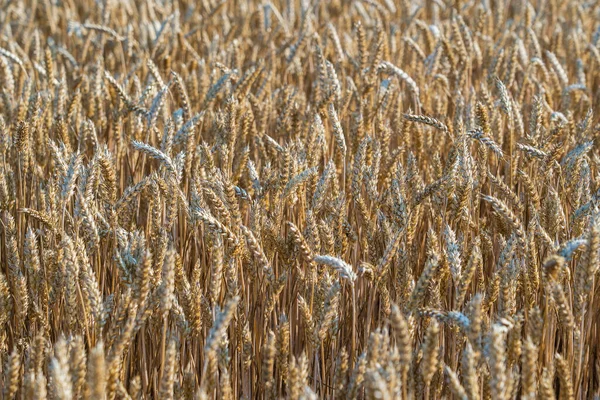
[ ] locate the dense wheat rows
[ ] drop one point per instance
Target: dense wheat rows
(369, 199)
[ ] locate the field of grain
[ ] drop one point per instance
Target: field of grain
(299, 199)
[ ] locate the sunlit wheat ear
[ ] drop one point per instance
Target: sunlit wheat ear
(344, 269)
(166, 385)
(157, 154)
(430, 349)
(96, 373)
(12, 375)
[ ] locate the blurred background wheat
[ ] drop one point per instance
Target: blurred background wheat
(371, 199)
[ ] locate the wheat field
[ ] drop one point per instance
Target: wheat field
(299, 199)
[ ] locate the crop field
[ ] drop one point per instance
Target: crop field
(299, 199)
